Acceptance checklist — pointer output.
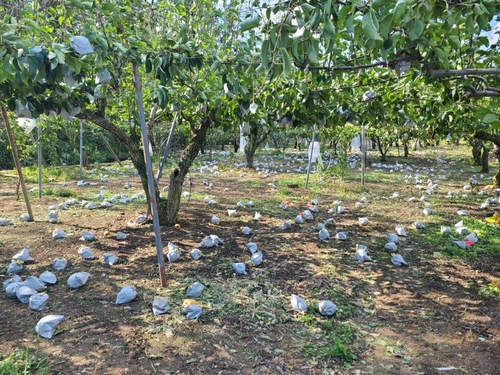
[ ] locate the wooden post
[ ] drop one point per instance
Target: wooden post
(15, 155)
(151, 179)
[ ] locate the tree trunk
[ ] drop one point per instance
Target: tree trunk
(380, 148)
(133, 147)
(495, 139)
(406, 149)
(485, 168)
(167, 209)
(179, 173)
(476, 150)
(254, 141)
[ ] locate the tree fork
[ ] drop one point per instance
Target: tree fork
(171, 208)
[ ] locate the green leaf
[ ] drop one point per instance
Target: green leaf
(399, 10)
(489, 118)
(287, 63)
(312, 52)
(327, 8)
(454, 41)
(344, 11)
(249, 23)
(87, 5)
(379, 4)
(264, 58)
(495, 125)
(295, 49)
(477, 10)
(416, 30)
(370, 26)
(329, 29)
(315, 19)
(469, 24)
(308, 8)
(439, 54)
(385, 25)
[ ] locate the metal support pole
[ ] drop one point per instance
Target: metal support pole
(15, 156)
(117, 159)
(310, 155)
(167, 148)
(39, 150)
(151, 181)
(363, 154)
(81, 148)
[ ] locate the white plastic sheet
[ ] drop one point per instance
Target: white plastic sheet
(299, 304)
(47, 325)
(327, 308)
(23, 255)
(316, 153)
(256, 258)
(239, 268)
(195, 290)
(78, 279)
(59, 234)
(60, 263)
(192, 311)
(160, 305)
(48, 277)
(195, 254)
(38, 302)
(126, 295)
(24, 293)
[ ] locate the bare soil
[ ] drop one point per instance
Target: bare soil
(427, 318)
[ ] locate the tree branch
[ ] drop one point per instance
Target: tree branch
(463, 72)
(487, 136)
(475, 93)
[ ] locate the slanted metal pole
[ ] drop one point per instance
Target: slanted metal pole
(151, 181)
(15, 156)
(164, 157)
(117, 159)
(81, 148)
(310, 155)
(363, 154)
(167, 148)
(39, 149)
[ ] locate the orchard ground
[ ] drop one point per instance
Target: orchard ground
(439, 315)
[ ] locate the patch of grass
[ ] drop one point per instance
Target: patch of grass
(334, 348)
(61, 192)
(490, 290)
(340, 171)
(23, 361)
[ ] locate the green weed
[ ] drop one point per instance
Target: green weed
(489, 290)
(23, 362)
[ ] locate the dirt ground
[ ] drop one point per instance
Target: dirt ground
(427, 318)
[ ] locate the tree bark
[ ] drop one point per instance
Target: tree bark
(406, 149)
(167, 209)
(485, 168)
(134, 150)
(171, 209)
(255, 139)
(495, 139)
(381, 148)
(476, 144)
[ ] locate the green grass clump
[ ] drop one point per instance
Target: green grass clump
(490, 290)
(23, 362)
